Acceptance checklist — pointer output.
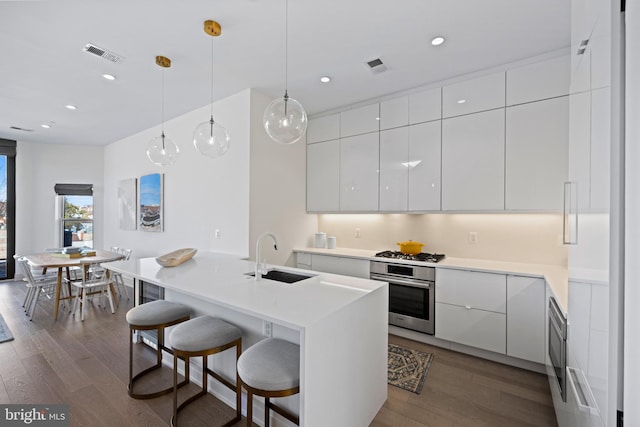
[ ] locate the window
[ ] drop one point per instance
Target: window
(7, 207)
(76, 216)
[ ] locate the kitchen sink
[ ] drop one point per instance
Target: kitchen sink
(282, 276)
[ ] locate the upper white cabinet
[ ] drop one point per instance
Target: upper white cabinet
(360, 120)
(394, 158)
(323, 129)
(526, 318)
(424, 166)
(473, 161)
(425, 106)
(394, 113)
(537, 135)
(600, 149)
(470, 96)
(541, 80)
(359, 162)
(323, 176)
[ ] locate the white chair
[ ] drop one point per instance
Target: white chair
(36, 286)
(117, 279)
(92, 283)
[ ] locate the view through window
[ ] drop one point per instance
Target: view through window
(77, 221)
(3, 217)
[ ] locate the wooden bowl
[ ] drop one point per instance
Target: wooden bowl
(176, 257)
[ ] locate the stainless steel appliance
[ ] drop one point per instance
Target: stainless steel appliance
(558, 345)
(411, 294)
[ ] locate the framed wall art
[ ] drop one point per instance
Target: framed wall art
(127, 203)
(151, 202)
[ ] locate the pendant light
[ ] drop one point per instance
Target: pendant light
(210, 138)
(285, 119)
(161, 150)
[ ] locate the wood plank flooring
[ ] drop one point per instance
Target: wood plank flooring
(85, 364)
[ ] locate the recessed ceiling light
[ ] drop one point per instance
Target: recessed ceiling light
(325, 79)
(71, 107)
(437, 41)
(109, 76)
(46, 126)
(461, 101)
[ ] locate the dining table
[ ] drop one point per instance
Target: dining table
(50, 260)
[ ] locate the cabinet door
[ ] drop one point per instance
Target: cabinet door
(425, 106)
(394, 113)
(526, 318)
(394, 156)
(323, 176)
(360, 120)
(537, 154)
(424, 166)
(470, 96)
(580, 145)
(541, 80)
(600, 149)
(582, 24)
(473, 162)
(323, 129)
(340, 265)
(476, 328)
(359, 162)
(472, 289)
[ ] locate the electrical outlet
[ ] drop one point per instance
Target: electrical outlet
(473, 237)
(217, 233)
(357, 233)
(267, 329)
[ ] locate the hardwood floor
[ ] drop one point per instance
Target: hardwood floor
(85, 364)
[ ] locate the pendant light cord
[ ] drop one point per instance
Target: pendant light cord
(162, 125)
(212, 78)
(286, 45)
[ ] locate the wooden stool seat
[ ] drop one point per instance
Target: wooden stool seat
(204, 336)
(270, 368)
(154, 315)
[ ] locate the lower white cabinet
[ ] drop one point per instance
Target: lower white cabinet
(333, 264)
(526, 318)
(469, 326)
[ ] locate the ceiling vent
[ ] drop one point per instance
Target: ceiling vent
(21, 129)
(377, 66)
(103, 53)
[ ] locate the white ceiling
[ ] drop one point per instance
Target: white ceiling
(43, 66)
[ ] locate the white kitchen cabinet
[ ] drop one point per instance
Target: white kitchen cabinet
(473, 152)
(540, 80)
(323, 128)
(394, 113)
(360, 120)
(590, 45)
(580, 146)
(424, 166)
(340, 265)
(394, 156)
(323, 176)
(425, 106)
(359, 162)
(526, 305)
(537, 150)
(470, 308)
(470, 96)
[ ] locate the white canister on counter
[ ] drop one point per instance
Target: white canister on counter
(331, 242)
(321, 240)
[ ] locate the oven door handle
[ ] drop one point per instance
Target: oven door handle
(408, 282)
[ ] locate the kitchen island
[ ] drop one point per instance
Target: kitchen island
(339, 322)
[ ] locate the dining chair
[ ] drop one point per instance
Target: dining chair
(36, 286)
(118, 280)
(93, 282)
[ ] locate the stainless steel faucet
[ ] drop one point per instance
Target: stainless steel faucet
(275, 246)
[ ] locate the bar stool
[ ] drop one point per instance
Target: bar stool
(157, 315)
(204, 336)
(270, 368)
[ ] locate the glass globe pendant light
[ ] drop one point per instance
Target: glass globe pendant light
(284, 118)
(210, 138)
(161, 150)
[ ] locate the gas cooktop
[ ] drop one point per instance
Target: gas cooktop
(423, 256)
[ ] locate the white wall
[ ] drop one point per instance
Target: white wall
(200, 194)
(278, 191)
(38, 168)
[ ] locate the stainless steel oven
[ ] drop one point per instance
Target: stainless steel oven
(558, 345)
(411, 294)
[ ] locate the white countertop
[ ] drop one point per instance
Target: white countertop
(221, 279)
(555, 275)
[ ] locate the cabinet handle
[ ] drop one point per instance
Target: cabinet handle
(584, 396)
(468, 307)
(570, 214)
